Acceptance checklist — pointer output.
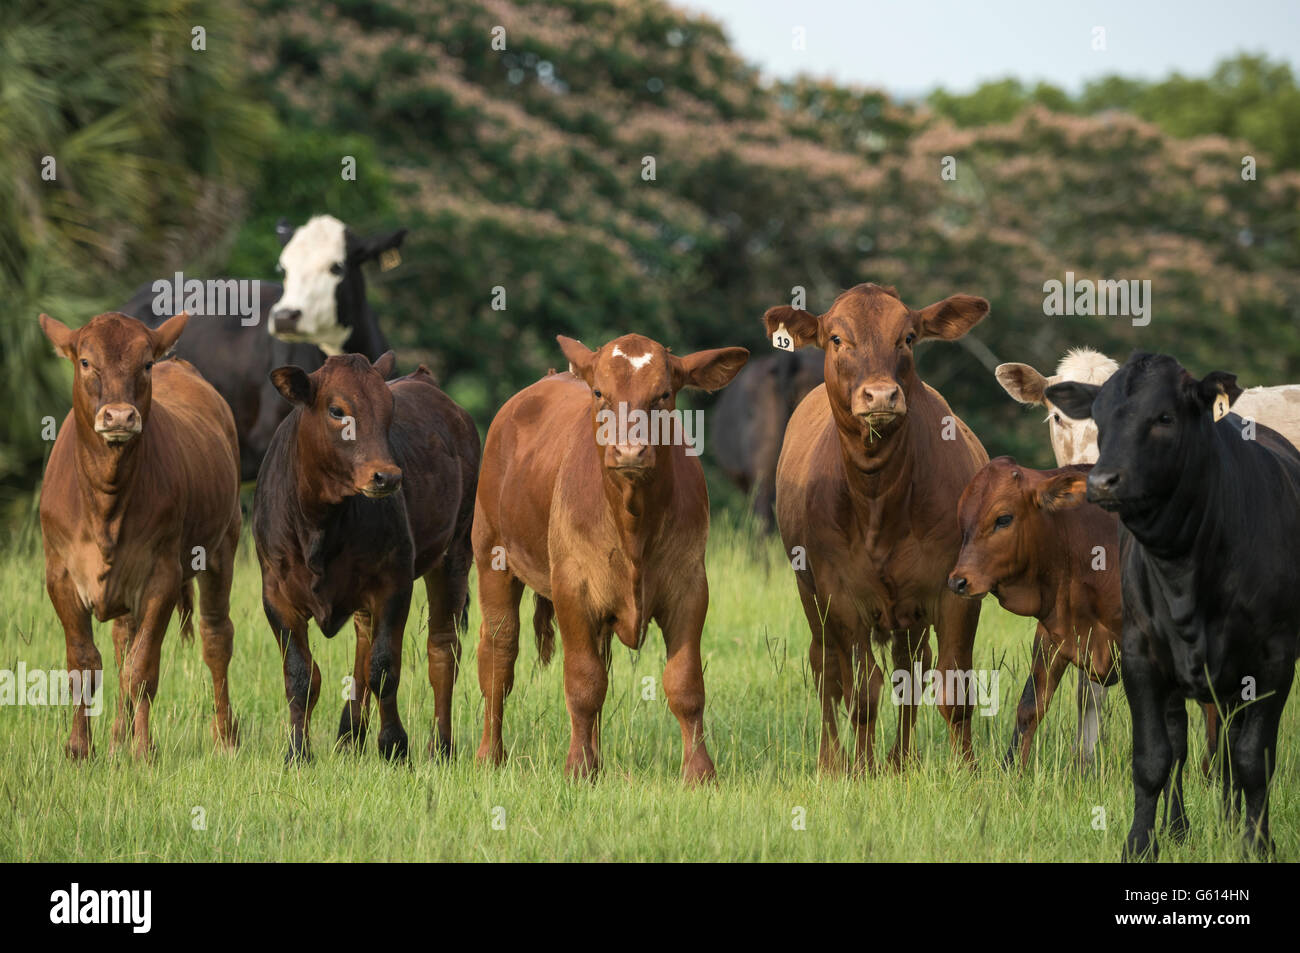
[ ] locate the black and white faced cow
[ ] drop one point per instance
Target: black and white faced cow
(1209, 512)
(321, 309)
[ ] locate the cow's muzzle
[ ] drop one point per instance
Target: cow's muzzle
(118, 423)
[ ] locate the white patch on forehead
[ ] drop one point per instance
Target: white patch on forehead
(310, 283)
(637, 362)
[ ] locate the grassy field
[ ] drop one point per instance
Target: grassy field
(761, 718)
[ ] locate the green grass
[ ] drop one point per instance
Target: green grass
(761, 719)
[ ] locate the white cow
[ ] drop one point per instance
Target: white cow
(1075, 442)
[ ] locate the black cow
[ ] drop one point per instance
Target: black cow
(320, 309)
(1210, 517)
(749, 423)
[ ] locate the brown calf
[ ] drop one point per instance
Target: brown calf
(607, 529)
(1029, 538)
(366, 487)
(867, 485)
(141, 493)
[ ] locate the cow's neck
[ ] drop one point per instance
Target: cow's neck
(105, 473)
(1189, 519)
(879, 474)
(638, 511)
(354, 312)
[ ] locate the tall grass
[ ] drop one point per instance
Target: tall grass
(192, 803)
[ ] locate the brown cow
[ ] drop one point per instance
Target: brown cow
(1029, 538)
(607, 528)
(873, 465)
(366, 487)
(141, 493)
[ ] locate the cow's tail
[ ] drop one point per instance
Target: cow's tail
(185, 609)
(544, 627)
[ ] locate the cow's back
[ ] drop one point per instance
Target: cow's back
(1275, 407)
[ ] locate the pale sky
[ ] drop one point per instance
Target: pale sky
(909, 48)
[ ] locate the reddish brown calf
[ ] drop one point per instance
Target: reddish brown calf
(609, 533)
(141, 493)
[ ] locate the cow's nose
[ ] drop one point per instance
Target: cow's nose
(1103, 483)
(631, 455)
(286, 319)
(958, 584)
(386, 480)
(117, 419)
(877, 399)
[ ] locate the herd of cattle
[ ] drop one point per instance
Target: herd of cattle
(1164, 539)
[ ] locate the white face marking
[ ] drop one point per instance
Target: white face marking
(308, 261)
(638, 362)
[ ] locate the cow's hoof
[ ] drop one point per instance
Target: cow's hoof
(226, 735)
(352, 734)
(297, 757)
(77, 750)
(393, 744)
(440, 748)
(495, 756)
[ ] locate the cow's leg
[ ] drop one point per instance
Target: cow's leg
(301, 677)
(1092, 695)
(499, 593)
(143, 660)
(827, 672)
(586, 679)
(1253, 756)
(1046, 669)
(862, 699)
(1175, 816)
(123, 635)
(683, 625)
(218, 633)
(958, 619)
(386, 669)
(354, 723)
(446, 603)
(82, 655)
(1153, 755)
(905, 653)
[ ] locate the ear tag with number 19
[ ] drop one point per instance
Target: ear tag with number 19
(781, 339)
(1220, 406)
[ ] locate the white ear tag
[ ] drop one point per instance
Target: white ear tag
(1220, 406)
(781, 338)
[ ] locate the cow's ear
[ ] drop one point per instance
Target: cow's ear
(385, 364)
(1022, 382)
(1209, 388)
(61, 336)
(581, 360)
(284, 231)
(707, 370)
(295, 384)
(804, 327)
(952, 317)
(372, 246)
(1064, 491)
(1073, 397)
(166, 335)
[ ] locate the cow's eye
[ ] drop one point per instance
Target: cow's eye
(1056, 418)
(595, 393)
(835, 339)
(666, 395)
(336, 268)
(337, 413)
(1002, 521)
(1165, 419)
(85, 363)
(148, 365)
(909, 339)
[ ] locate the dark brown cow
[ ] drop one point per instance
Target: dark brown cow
(607, 529)
(873, 465)
(141, 493)
(366, 487)
(1029, 538)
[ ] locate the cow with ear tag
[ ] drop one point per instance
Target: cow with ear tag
(871, 469)
(1209, 512)
(367, 486)
(592, 495)
(141, 494)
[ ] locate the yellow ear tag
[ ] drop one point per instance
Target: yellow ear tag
(389, 259)
(1220, 406)
(781, 339)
